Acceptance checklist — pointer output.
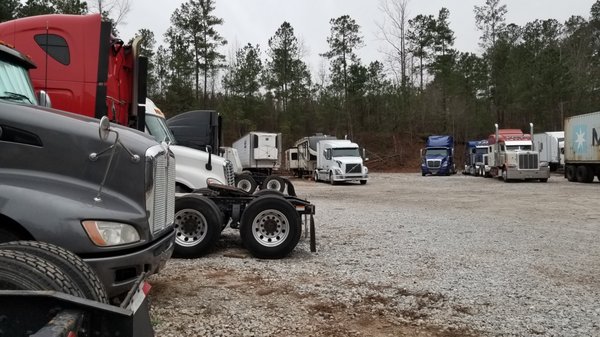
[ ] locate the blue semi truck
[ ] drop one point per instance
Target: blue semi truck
(437, 158)
(475, 159)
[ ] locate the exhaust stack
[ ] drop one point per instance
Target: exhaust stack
(531, 136)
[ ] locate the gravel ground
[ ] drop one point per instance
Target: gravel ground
(405, 255)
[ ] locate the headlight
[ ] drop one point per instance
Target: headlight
(106, 233)
(338, 171)
(213, 181)
(444, 163)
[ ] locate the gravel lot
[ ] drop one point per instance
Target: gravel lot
(405, 255)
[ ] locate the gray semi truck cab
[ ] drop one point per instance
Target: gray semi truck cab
(102, 191)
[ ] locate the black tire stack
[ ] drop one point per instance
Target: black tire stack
(34, 265)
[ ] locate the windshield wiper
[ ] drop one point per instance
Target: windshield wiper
(15, 96)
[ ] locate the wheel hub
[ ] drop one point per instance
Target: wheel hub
(190, 227)
(270, 226)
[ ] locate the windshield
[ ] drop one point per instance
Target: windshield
(481, 150)
(15, 84)
(157, 127)
(518, 147)
(345, 152)
(436, 152)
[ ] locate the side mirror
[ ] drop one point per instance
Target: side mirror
(104, 129)
(44, 99)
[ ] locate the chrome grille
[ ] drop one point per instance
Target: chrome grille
(434, 163)
(160, 198)
(229, 173)
(353, 168)
(528, 161)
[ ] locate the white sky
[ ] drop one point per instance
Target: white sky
(255, 21)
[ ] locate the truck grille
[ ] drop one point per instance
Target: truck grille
(528, 161)
(434, 163)
(353, 168)
(229, 173)
(160, 194)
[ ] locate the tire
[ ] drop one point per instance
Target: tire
(198, 225)
(544, 180)
(316, 176)
(570, 173)
(273, 182)
(268, 192)
(72, 265)
(245, 182)
(363, 182)
(331, 181)
(23, 271)
(504, 176)
(270, 227)
(584, 174)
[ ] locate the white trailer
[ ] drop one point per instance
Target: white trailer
(340, 161)
(259, 151)
(302, 158)
(582, 147)
(550, 145)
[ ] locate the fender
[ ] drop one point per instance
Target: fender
(51, 208)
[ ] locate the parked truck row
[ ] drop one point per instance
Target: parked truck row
(255, 157)
(111, 82)
(102, 172)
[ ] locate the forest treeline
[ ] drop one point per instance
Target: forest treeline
(540, 72)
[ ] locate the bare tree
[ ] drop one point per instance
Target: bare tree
(393, 32)
(116, 10)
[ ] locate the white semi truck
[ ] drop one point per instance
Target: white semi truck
(270, 225)
(340, 161)
(512, 156)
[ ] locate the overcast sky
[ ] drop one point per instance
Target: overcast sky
(255, 21)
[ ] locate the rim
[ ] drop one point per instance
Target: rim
(190, 227)
(273, 185)
(270, 228)
(244, 185)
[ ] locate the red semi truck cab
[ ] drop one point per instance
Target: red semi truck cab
(82, 67)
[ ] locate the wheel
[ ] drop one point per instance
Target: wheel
(363, 182)
(23, 271)
(584, 174)
(544, 180)
(198, 225)
(316, 176)
(273, 182)
(72, 265)
(245, 182)
(270, 227)
(331, 181)
(504, 176)
(571, 173)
